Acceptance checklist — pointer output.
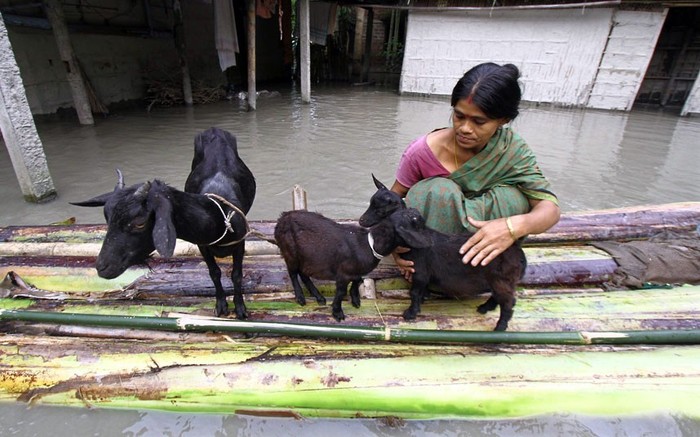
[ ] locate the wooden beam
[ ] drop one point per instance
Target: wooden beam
(179, 35)
(305, 51)
(54, 12)
(18, 129)
(252, 91)
(368, 45)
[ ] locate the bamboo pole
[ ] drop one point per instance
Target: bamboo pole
(188, 323)
(252, 86)
(304, 51)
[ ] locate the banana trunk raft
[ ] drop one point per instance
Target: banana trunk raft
(591, 334)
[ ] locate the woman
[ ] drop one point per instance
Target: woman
(478, 175)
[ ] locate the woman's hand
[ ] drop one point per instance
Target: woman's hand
(405, 266)
(494, 236)
(492, 239)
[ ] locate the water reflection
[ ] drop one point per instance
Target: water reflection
(594, 159)
(59, 421)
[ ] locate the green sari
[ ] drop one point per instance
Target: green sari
(497, 182)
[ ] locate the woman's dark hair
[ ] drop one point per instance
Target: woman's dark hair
(493, 88)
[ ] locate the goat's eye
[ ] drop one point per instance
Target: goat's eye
(138, 226)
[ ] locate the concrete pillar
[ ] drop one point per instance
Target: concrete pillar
(18, 129)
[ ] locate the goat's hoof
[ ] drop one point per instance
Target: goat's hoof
(501, 327)
(356, 304)
(321, 300)
(339, 316)
(241, 312)
(409, 315)
(222, 312)
(301, 300)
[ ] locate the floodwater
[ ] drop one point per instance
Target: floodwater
(594, 159)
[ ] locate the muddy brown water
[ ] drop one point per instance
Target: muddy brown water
(594, 159)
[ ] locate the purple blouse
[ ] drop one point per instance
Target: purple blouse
(417, 163)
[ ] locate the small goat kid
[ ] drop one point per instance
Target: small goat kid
(314, 246)
(440, 265)
(210, 213)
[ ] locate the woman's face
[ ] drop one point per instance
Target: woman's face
(473, 129)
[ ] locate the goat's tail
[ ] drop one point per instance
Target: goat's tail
(262, 236)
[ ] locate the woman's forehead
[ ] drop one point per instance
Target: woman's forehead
(467, 107)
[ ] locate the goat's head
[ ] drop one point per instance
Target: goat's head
(139, 220)
(382, 204)
(215, 142)
(410, 226)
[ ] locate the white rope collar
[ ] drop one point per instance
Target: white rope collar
(370, 240)
(227, 219)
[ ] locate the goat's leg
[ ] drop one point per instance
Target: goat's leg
(298, 292)
(341, 289)
(504, 295)
(215, 275)
(237, 279)
(418, 290)
(355, 293)
(313, 290)
(487, 306)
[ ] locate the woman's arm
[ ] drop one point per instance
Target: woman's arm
(494, 237)
(399, 189)
(405, 266)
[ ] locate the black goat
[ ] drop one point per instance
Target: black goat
(314, 246)
(382, 204)
(210, 213)
(440, 265)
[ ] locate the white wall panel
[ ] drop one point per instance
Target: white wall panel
(626, 58)
(558, 51)
(692, 103)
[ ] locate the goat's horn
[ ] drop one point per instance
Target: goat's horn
(120, 181)
(142, 191)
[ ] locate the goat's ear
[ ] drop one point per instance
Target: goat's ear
(95, 201)
(411, 228)
(414, 238)
(378, 184)
(164, 235)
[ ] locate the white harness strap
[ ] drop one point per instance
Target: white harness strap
(370, 240)
(227, 219)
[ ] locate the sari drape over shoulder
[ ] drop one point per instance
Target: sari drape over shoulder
(496, 182)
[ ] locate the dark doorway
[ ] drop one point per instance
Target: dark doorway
(676, 61)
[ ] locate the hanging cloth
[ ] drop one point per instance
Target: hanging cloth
(225, 36)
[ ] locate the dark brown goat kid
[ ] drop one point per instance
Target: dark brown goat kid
(210, 213)
(440, 265)
(314, 246)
